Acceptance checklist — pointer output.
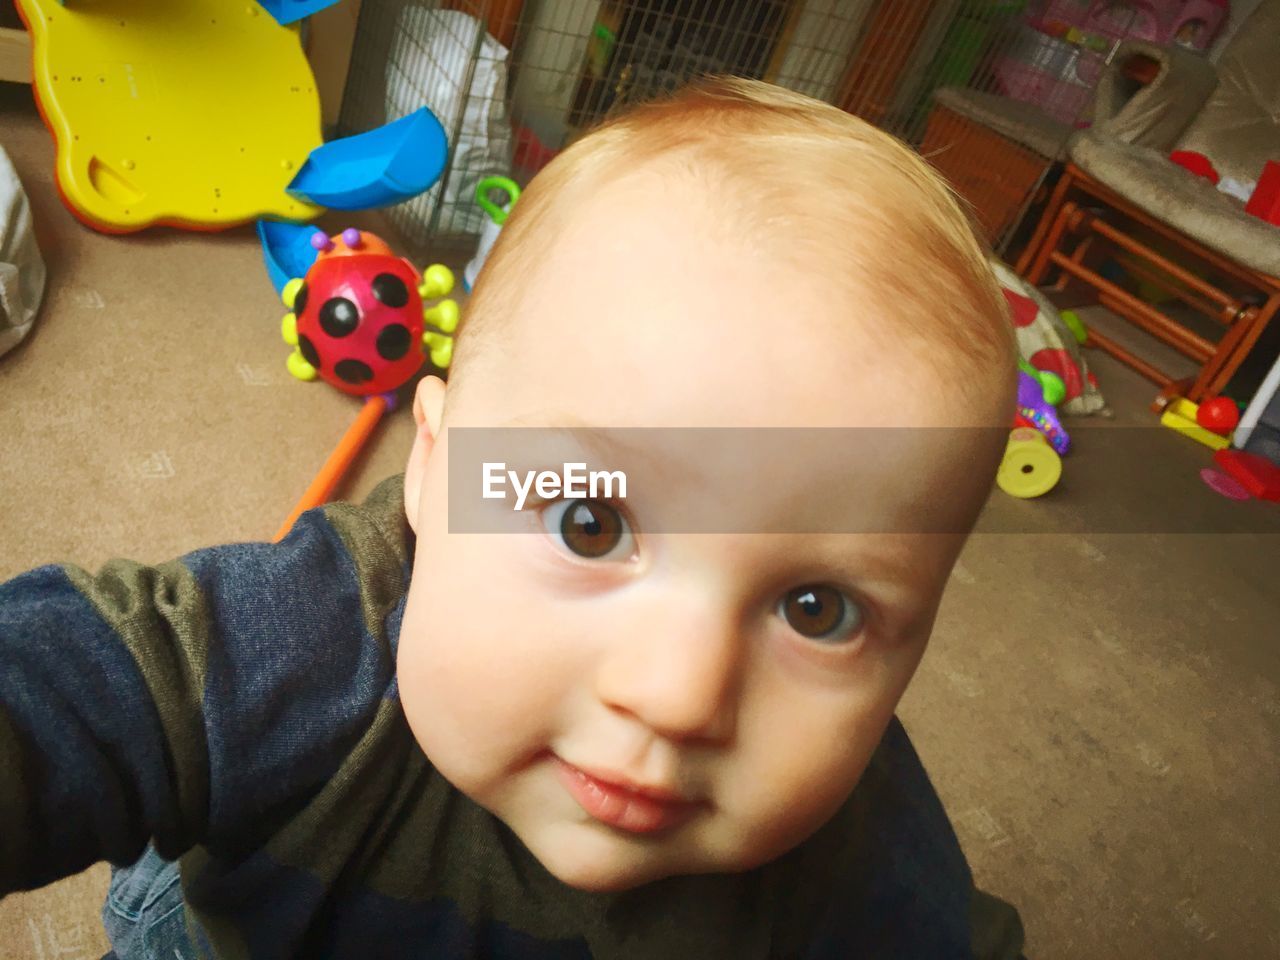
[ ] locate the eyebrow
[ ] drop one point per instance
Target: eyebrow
(875, 565)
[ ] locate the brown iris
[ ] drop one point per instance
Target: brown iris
(815, 611)
(590, 528)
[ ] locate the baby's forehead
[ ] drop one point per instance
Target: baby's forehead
(666, 274)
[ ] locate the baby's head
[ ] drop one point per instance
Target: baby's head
(636, 705)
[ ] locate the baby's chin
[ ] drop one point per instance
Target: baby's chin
(598, 875)
(584, 857)
(594, 860)
(591, 879)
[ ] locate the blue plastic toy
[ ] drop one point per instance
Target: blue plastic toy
(375, 169)
(287, 250)
(288, 11)
(388, 165)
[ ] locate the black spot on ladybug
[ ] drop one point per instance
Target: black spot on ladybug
(300, 300)
(353, 371)
(393, 341)
(390, 290)
(338, 317)
(308, 350)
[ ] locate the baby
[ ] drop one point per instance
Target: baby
(603, 733)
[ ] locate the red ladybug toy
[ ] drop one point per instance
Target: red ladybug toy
(358, 320)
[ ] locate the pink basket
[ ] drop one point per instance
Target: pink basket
(1042, 70)
(1095, 25)
(1061, 99)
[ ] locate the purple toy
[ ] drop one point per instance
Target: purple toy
(1033, 406)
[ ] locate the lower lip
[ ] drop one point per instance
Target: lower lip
(618, 807)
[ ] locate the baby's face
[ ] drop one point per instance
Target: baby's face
(636, 705)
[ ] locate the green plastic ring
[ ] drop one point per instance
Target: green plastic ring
(496, 213)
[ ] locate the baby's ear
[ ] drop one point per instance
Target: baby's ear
(428, 407)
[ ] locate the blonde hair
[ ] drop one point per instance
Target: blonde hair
(805, 178)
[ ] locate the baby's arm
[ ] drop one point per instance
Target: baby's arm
(101, 735)
(189, 703)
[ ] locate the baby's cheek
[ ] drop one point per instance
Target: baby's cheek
(466, 698)
(431, 678)
(445, 721)
(441, 674)
(794, 819)
(798, 775)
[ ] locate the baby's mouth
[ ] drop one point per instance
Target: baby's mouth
(628, 807)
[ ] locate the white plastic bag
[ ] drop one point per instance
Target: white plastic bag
(429, 64)
(22, 272)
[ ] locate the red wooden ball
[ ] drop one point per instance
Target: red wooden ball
(1219, 415)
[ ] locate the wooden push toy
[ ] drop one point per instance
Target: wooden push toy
(1030, 468)
(1180, 415)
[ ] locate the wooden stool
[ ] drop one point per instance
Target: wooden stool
(1082, 211)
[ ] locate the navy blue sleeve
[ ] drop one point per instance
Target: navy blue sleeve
(196, 702)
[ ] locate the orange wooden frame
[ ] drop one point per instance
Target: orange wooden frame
(1072, 216)
(992, 173)
(872, 77)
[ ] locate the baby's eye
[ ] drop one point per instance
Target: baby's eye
(821, 613)
(590, 529)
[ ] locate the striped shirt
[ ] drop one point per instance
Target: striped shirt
(238, 707)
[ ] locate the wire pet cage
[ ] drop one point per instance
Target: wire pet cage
(408, 55)
(514, 81)
(574, 62)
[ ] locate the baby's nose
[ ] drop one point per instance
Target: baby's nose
(679, 676)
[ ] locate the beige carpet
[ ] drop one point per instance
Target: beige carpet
(1099, 711)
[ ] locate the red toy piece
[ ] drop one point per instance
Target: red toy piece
(1265, 201)
(1255, 473)
(1223, 484)
(1060, 362)
(531, 154)
(1197, 163)
(1220, 415)
(1022, 308)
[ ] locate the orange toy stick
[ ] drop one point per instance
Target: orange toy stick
(347, 449)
